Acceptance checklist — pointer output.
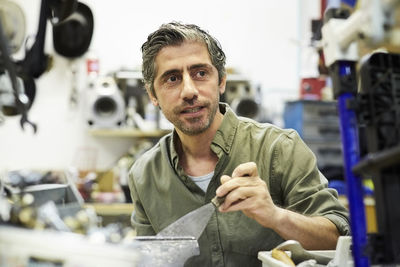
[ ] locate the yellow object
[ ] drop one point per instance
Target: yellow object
(282, 256)
(105, 181)
(370, 212)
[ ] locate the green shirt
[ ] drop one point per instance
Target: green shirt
(162, 192)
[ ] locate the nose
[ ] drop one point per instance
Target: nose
(189, 90)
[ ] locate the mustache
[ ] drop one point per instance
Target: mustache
(189, 103)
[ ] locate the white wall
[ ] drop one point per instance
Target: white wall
(261, 40)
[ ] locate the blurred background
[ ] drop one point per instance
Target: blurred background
(264, 42)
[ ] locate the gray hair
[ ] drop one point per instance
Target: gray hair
(176, 33)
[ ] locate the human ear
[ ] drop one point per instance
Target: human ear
(222, 85)
(152, 97)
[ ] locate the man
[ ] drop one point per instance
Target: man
(274, 191)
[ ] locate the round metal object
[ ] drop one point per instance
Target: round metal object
(13, 21)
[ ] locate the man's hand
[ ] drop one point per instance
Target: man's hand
(247, 192)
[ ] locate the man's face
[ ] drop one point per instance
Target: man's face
(186, 87)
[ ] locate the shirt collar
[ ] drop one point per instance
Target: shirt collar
(227, 130)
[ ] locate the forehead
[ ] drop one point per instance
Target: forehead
(181, 56)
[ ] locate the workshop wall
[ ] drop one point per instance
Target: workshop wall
(262, 41)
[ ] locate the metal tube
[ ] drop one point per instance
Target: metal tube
(351, 156)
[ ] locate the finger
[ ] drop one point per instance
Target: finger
(237, 205)
(222, 190)
(245, 169)
(225, 178)
(232, 184)
(228, 184)
(238, 195)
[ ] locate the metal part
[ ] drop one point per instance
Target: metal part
(19, 96)
(49, 214)
(12, 18)
(351, 154)
(299, 254)
(371, 22)
(193, 223)
(218, 201)
(165, 251)
(105, 106)
(378, 109)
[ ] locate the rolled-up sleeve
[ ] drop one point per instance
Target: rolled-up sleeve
(304, 188)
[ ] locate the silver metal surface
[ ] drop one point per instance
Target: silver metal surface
(19, 245)
(165, 251)
(191, 224)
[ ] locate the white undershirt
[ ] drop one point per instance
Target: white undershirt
(202, 181)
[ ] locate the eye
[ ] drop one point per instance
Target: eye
(201, 74)
(172, 78)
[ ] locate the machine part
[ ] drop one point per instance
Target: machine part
(21, 100)
(62, 9)
(299, 254)
(36, 61)
(7, 97)
(351, 154)
(370, 22)
(131, 84)
(332, 50)
(5, 206)
(244, 98)
(105, 104)
(246, 107)
(60, 194)
(73, 95)
(193, 223)
(379, 117)
(49, 214)
(378, 160)
(13, 20)
(72, 37)
(237, 87)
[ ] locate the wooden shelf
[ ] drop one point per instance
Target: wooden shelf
(128, 133)
(112, 209)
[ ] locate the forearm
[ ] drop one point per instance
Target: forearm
(312, 232)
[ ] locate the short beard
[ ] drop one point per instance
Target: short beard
(188, 130)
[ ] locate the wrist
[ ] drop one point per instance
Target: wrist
(275, 219)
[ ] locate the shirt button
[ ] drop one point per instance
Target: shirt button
(215, 248)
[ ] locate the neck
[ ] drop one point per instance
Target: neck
(196, 156)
